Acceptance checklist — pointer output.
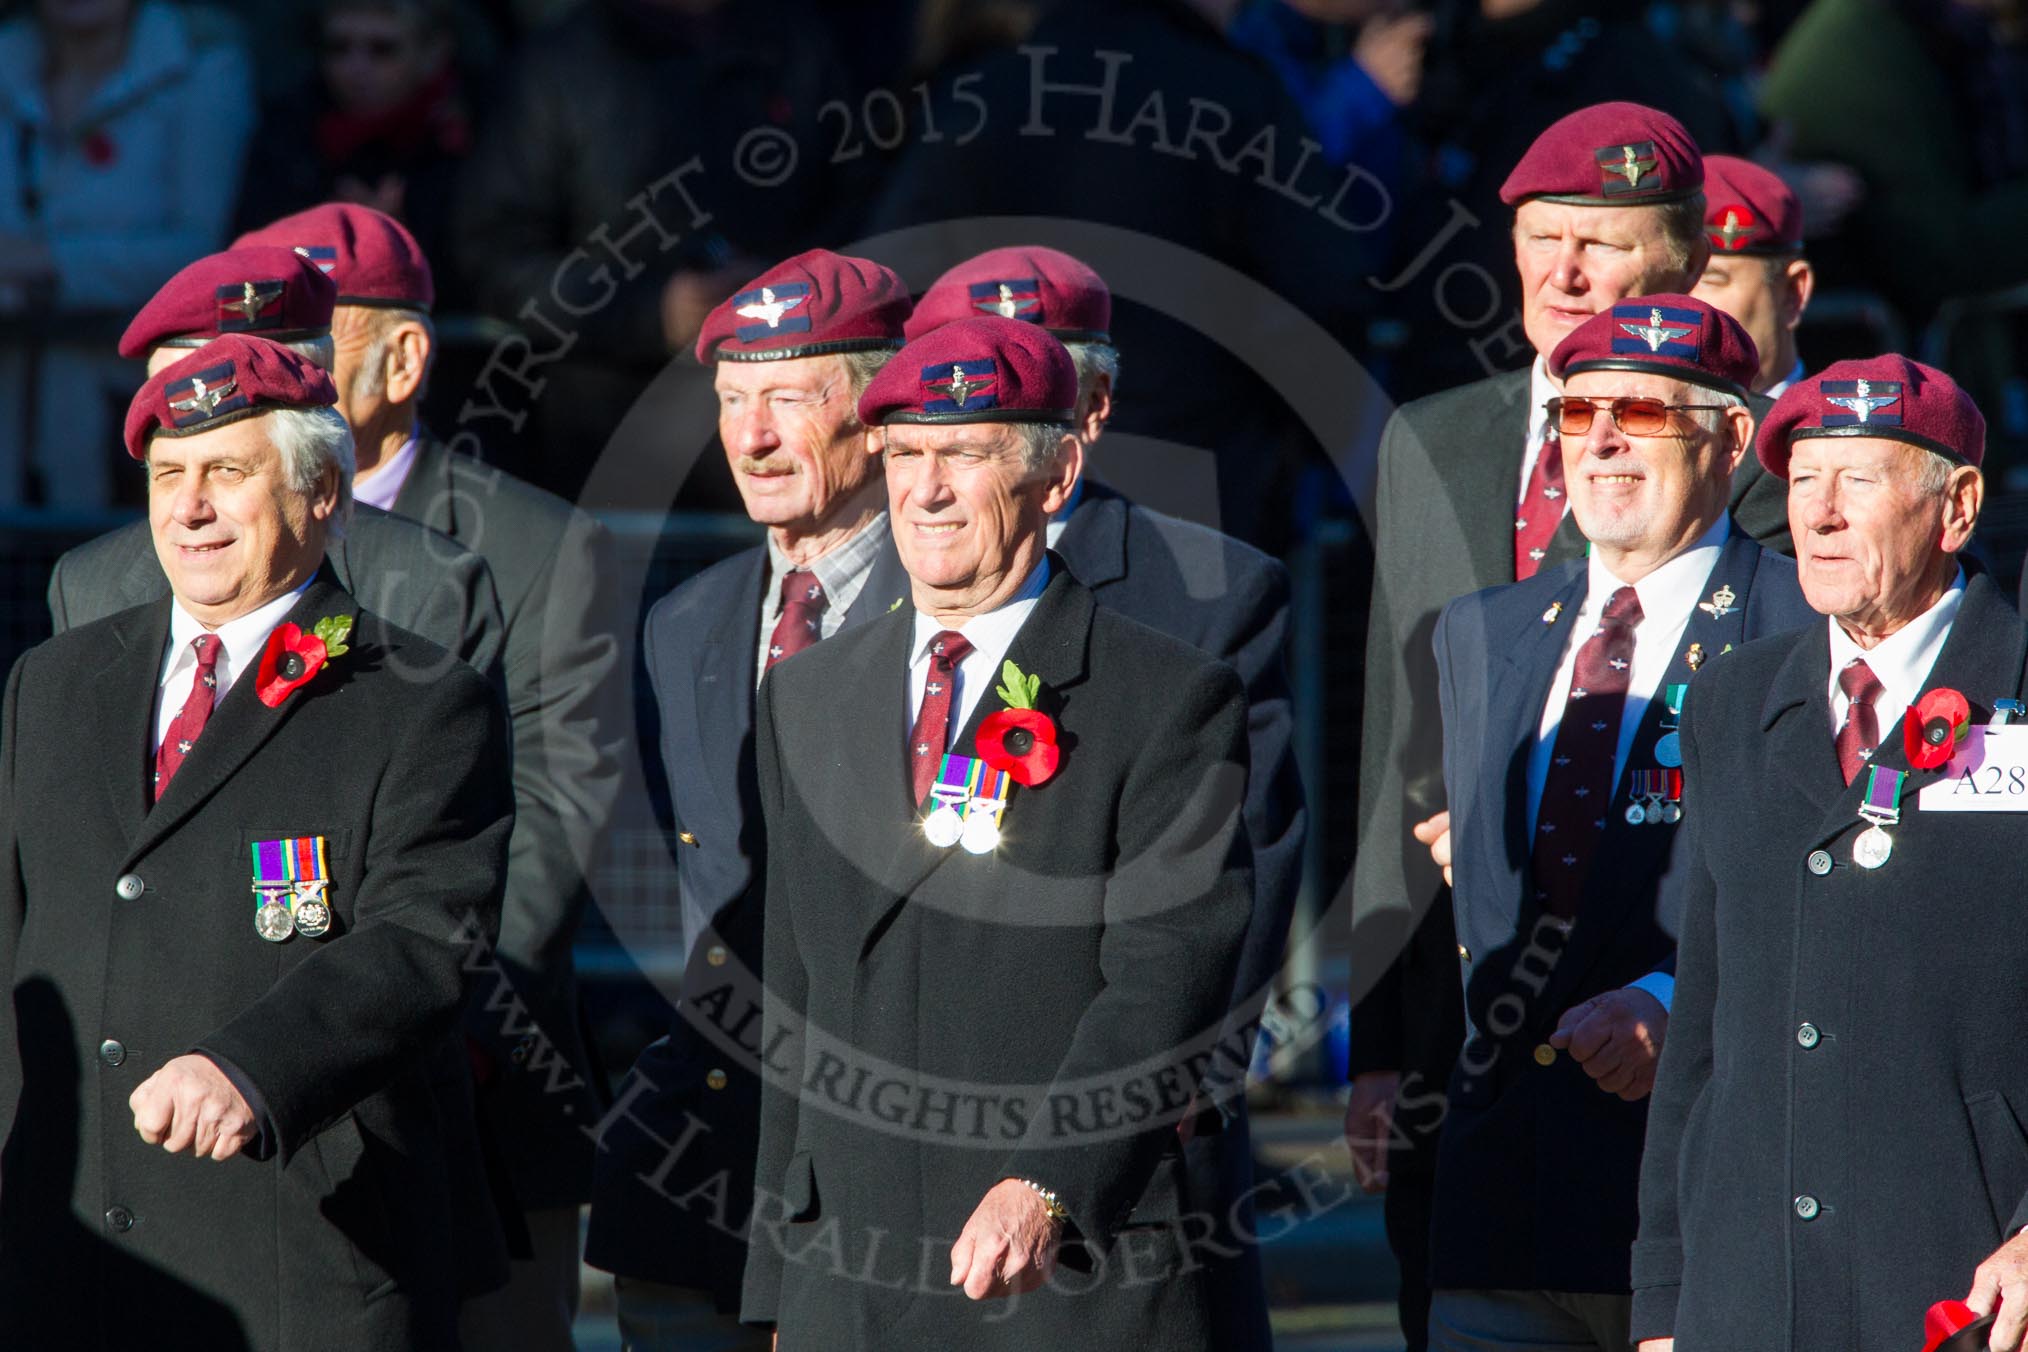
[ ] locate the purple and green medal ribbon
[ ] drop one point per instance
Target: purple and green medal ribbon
(963, 780)
(281, 866)
(1882, 804)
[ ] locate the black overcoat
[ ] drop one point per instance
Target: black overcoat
(127, 935)
(1835, 1141)
(939, 1021)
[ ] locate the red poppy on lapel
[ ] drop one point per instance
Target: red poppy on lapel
(292, 657)
(1022, 742)
(1936, 723)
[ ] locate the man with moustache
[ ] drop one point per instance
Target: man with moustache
(1560, 697)
(240, 848)
(1223, 597)
(1007, 871)
(1607, 206)
(1836, 1137)
(790, 352)
(1757, 273)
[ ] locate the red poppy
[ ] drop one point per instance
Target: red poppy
(1936, 723)
(1022, 742)
(291, 658)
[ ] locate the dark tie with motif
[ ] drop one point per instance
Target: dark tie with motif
(800, 624)
(1861, 730)
(929, 738)
(1541, 510)
(196, 713)
(1577, 793)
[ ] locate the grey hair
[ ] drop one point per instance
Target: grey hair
(1039, 443)
(371, 379)
(1934, 474)
(311, 440)
(317, 351)
(1092, 361)
(861, 365)
(1683, 232)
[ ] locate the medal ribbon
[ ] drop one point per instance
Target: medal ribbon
(1883, 795)
(1672, 697)
(953, 781)
(274, 870)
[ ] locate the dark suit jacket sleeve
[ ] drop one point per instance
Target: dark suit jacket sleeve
(1685, 1071)
(1176, 912)
(464, 601)
(1400, 783)
(340, 1024)
(563, 673)
(1275, 814)
(782, 1007)
(1760, 505)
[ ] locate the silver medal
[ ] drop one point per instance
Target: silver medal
(982, 831)
(1872, 848)
(274, 922)
(313, 918)
(1672, 813)
(1669, 750)
(1636, 814)
(943, 826)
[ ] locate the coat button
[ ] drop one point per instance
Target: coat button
(716, 1079)
(716, 955)
(1820, 862)
(112, 1052)
(1807, 1036)
(120, 1218)
(130, 887)
(1807, 1208)
(1545, 1055)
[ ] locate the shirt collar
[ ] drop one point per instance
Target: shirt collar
(1540, 391)
(1668, 592)
(992, 630)
(384, 485)
(1901, 661)
(1776, 390)
(242, 637)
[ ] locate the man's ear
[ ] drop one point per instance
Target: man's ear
(1799, 283)
(1964, 496)
(408, 362)
(1062, 474)
(1095, 408)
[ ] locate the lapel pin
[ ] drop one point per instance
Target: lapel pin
(1555, 609)
(1695, 657)
(1720, 605)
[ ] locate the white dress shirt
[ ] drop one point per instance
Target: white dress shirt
(1540, 391)
(1900, 662)
(241, 639)
(383, 486)
(991, 635)
(1796, 373)
(1669, 596)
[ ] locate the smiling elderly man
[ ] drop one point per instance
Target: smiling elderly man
(242, 841)
(790, 352)
(1560, 698)
(1007, 889)
(1836, 1138)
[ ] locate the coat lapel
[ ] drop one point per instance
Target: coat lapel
(240, 724)
(1982, 659)
(886, 589)
(725, 683)
(1052, 644)
(1479, 460)
(123, 700)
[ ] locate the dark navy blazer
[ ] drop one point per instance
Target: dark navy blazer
(1538, 1167)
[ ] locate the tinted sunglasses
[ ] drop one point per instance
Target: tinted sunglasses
(1637, 417)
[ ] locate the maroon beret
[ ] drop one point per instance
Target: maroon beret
(1609, 155)
(1668, 335)
(815, 303)
(1043, 286)
(369, 254)
(1888, 396)
(231, 378)
(272, 292)
(986, 369)
(1748, 209)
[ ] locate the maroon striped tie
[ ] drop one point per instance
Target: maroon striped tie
(1541, 510)
(932, 732)
(799, 625)
(1578, 791)
(196, 713)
